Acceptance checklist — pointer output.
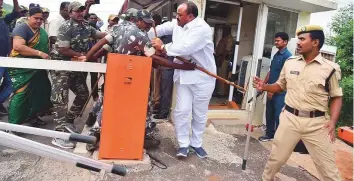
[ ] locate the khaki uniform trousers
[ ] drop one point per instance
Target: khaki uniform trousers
(156, 86)
(222, 72)
(310, 130)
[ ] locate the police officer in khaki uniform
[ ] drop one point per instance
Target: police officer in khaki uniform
(311, 82)
(223, 54)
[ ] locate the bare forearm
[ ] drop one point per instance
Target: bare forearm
(335, 107)
(26, 51)
(16, 6)
(87, 10)
(95, 48)
(166, 63)
(273, 88)
(98, 55)
(68, 52)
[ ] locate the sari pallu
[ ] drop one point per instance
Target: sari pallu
(31, 87)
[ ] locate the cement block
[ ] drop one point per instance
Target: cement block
(131, 165)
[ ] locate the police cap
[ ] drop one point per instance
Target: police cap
(307, 29)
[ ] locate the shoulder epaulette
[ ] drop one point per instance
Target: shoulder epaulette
(294, 57)
(332, 64)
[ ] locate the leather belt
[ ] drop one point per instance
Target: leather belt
(307, 114)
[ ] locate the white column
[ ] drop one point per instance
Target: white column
(231, 92)
(258, 47)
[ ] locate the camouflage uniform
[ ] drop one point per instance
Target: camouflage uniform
(20, 21)
(123, 40)
(75, 36)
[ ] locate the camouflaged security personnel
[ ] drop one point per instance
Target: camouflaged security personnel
(312, 82)
(129, 38)
(129, 15)
(72, 44)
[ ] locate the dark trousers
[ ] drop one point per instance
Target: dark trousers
(62, 81)
(94, 78)
(166, 89)
(6, 85)
(273, 110)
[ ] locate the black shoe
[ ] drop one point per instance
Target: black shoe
(161, 115)
(96, 133)
(39, 121)
(151, 125)
(3, 110)
(156, 107)
(265, 138)
(91, 120)
(156, 112)
(35, 122)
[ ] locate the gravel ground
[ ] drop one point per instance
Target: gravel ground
(224, 162)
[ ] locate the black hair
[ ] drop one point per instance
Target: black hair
(156, 17)
(34, 11)
(92, 14)
(192, 8)
(319, 35)
(284, 36)
(63, 5)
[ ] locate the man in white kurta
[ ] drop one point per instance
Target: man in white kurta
(55, 23)
(191, 39)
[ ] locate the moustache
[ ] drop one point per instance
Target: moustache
(178, 19)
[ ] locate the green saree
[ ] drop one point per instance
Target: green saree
(31, 87)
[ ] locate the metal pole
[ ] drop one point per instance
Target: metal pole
(260, 33)
(48, 133)
(231, 92)
(250, 117)
(40, 149)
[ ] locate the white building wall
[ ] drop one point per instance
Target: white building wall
(303, 19)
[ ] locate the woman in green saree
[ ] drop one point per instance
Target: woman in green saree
(31, 86)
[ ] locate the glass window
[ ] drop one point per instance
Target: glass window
(278, 21)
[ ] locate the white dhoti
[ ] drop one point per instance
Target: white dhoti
(192, 98)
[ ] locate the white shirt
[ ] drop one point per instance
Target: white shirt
(194, 42)
(54, 25)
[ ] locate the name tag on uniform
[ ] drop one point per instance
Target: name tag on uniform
(295, 72)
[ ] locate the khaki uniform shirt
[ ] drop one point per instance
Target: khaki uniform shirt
(305, 83)
(225, 44)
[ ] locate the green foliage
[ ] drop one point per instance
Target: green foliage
(6, 9)
(346, 116)
(342, 26)
(5, 12)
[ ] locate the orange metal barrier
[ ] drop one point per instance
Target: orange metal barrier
(125, 106)
(345, 133)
